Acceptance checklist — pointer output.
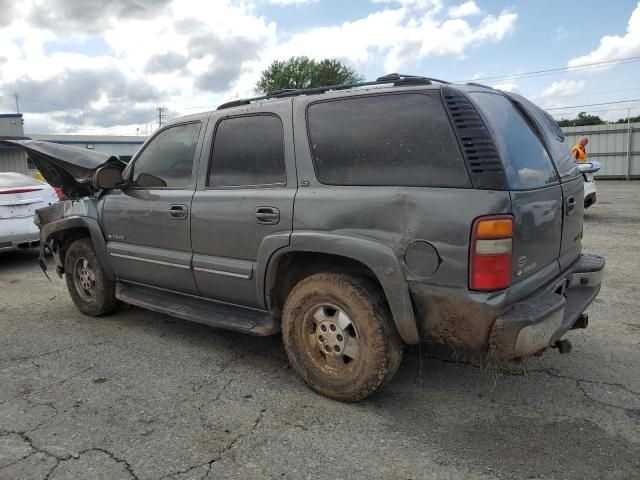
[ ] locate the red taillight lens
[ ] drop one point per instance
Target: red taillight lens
(60, 193)
(491, 253)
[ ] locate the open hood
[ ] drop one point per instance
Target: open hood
(70, 168)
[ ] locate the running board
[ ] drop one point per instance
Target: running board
(197, 310)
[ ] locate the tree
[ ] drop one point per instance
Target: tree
(631, 119)
(581, 120)
(304, 72)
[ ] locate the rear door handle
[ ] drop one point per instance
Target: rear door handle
(571, 204)
(178, 212)
(267, 215)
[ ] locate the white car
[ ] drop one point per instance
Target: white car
(20, 197)
(588, 169)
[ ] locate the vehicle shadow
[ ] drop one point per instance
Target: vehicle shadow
(18, 259)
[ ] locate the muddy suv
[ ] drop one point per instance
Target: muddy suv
(354, 219)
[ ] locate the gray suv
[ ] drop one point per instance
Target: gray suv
(354, 219)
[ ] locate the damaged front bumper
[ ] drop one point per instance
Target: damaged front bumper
(474, 328)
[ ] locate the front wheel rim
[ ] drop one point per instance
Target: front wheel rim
(331, 339)
(84, 279)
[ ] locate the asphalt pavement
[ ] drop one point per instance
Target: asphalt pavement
(145, 396)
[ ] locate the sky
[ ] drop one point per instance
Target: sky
(105, 66)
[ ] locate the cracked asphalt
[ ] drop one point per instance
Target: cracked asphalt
(145, 396)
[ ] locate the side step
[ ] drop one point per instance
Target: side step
(214, 314)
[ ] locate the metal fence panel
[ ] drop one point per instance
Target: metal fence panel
(611, 145)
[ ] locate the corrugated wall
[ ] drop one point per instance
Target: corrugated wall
(609, 144)
(13, 160)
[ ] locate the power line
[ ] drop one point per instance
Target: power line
(551, 71)
(571, 107)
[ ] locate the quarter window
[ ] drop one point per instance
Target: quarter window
(397, 139)
(167, 162)
(247, 151)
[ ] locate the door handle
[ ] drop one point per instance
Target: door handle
(267, 215)
(178, 212)
(571, 204)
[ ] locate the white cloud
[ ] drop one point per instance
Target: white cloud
(507, 86)
(286, 3)
(563, 88)
(190, 53)
(614, 47)
(466, 9)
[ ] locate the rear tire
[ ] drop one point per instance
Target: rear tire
(90, 288)
(339, 336)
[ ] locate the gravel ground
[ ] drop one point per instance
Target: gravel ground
(142, 395)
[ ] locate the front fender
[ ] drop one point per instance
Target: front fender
(379, 258)
(52, 222)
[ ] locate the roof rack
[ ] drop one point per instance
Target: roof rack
(397, 79)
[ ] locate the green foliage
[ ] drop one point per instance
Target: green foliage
(303, 72)
(631, 119)
(581, 120)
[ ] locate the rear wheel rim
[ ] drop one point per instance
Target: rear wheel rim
(84, 279)
(331, 340)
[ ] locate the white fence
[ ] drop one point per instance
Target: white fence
(616, 146)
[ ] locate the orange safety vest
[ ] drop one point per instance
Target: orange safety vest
(579, 153)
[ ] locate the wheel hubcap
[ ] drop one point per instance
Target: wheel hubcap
(332, 339)
(84, 278)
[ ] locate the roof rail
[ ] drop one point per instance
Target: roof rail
(396, 79)
(476, 84)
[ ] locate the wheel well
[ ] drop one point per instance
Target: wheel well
(61, 240)
(295, 266)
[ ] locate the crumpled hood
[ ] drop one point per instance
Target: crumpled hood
(70, 168)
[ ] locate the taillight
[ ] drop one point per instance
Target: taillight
(60, 193)
(491, 252)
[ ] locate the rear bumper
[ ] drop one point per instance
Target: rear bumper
(18, 233)
(539, 320)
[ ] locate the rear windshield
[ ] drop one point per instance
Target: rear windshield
(553, 136)
(13, 180)
(526, 161)
(394, 139)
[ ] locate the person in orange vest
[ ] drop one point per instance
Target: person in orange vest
(579, 151)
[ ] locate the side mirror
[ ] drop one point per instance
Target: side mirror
(108, 178)
(589, 167)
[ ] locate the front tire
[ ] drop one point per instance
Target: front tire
(90, 288)
(339, 337)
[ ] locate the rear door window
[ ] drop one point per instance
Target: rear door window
(248, 151)
(525, 159)
(395, 139)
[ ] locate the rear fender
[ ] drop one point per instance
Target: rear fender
(379, 258)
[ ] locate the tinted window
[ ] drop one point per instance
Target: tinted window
(526, 161)
(248, 151)
(402, 139)
(554, 138)
(168, 159)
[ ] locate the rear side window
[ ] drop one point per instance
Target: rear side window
(398, 139)
(248, 151)
(167, 161)
(526, 161)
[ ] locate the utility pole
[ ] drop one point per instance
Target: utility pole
(159, 117)
(629, 134)
(17, 104)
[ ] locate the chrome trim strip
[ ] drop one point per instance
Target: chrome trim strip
(221, 272)
(148, 260)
